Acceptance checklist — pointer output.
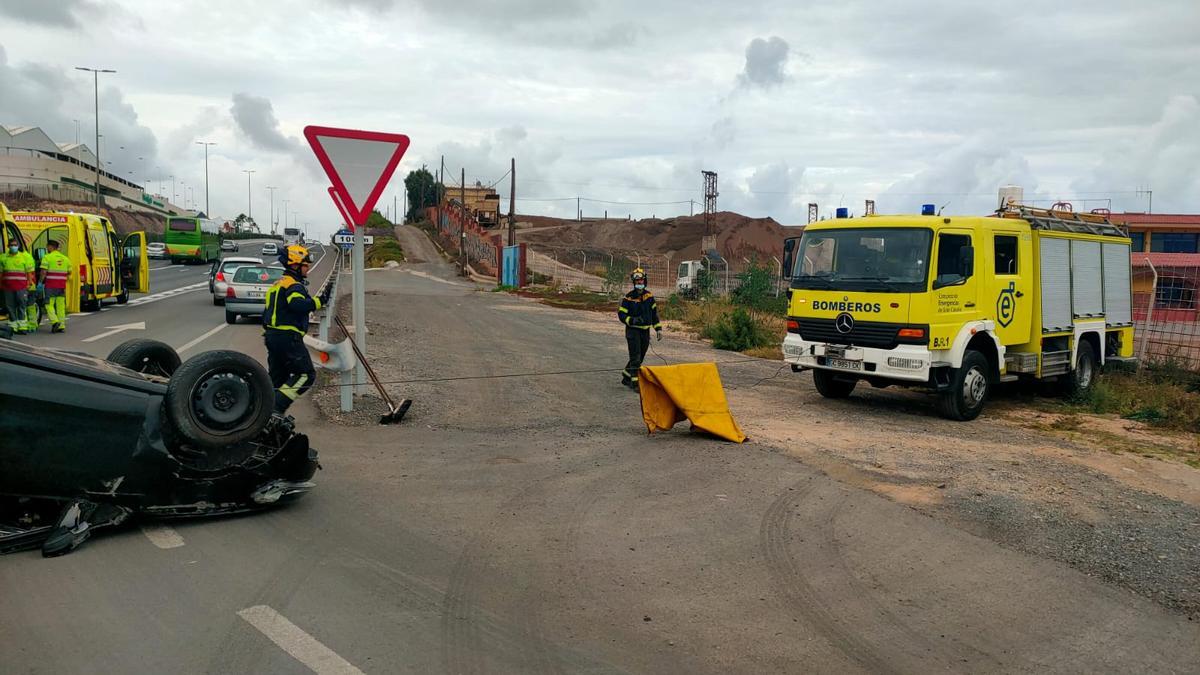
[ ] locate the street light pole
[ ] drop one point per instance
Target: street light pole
(271, 222)
(96, 85)
(207, 210)
(249, 199)
(285, 203)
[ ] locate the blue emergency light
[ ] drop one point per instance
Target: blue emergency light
(843, 212)
(928, 210)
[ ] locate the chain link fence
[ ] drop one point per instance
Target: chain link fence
(1166, 309)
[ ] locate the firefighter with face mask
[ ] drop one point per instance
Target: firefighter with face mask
(285, 323)
(16, 278)
(639, 313)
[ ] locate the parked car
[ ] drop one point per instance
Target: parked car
(229, 245)
(157, 250)
(270, 248)
(246, 292)
(222, 270)
(88, 442)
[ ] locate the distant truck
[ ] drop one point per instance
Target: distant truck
(958, 304)
(104, 265)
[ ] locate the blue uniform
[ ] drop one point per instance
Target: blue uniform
(285, 323)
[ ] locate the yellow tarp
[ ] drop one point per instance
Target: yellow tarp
(691, 391)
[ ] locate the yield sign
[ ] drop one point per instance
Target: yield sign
(359, 165)
(337, 201)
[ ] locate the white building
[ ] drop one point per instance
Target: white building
(30, 162)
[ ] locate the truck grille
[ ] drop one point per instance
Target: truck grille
(864, 333)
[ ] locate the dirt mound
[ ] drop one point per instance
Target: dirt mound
(124, 220)
(738, 236)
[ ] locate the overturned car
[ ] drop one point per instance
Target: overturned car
(88, 442)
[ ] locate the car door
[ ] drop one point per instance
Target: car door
(955, 287)
(135, 270)
(1008, 295)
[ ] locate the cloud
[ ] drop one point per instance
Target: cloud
(53, 13)
(765, 63)
(255, 117)
(487, 12)
(965, 179)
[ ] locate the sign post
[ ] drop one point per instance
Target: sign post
(359, 165)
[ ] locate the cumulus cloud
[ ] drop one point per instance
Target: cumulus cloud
(765, 63)
(965, 179)
(255, 117)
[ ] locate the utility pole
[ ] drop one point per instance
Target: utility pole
(438, 194)
(512, 200)
(578, 210)
(249, 199)
(462, 236)
(271, 222)
(96, 86)
(285, 203)
(207, 209)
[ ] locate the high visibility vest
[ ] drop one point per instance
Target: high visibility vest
(57, 267)
(14, 271)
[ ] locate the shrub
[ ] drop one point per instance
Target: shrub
(383, 250)
(738, 331)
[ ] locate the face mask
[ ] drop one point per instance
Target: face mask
(640, 287)
(13, 249)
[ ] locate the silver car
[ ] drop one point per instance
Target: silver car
(157, 250)
(222, 271)
(246, 292)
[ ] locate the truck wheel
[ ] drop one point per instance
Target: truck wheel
(145, 356)
(218, 399)
(969, 389)
(1079, 381)
(829, 386)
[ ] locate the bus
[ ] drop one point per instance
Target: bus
(192, 239)
(292, 235)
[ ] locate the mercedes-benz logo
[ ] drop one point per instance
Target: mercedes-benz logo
(844, 323)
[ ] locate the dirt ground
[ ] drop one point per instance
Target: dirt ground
(865, 534)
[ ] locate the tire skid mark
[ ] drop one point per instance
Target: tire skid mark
(801, 598)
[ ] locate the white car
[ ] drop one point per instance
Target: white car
(156, 249)
(222, 272)
(246, 291)
(270, 249)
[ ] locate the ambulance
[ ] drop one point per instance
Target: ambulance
(8, 232)
(958, 304)
(104, 265)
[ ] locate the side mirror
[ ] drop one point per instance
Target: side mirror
(966, 261)
(789, 257)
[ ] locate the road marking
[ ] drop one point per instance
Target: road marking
(113, 330)
(200, 339)
(167, 294)
(300, 645)
(162, 536)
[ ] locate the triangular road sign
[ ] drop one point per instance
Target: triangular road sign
(359, 164)
(337, 201)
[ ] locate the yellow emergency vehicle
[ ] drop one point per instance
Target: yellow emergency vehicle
(958, 304)
(103, 264)
(8, 232)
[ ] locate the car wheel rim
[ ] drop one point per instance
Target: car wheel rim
(974, 387)
(222, 401)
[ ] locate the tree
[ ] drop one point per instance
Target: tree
(423, 193)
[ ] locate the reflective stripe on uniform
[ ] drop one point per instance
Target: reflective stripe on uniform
(292, 391)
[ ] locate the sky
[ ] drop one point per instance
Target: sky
(624, 103)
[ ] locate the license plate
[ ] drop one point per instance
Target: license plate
(257, 294)
(844, 364)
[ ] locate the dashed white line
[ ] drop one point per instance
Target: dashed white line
(167, 294)
(162, 536)
(300, 645)
(200, 339)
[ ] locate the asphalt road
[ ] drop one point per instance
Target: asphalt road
(531, 526)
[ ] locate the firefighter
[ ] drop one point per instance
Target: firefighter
(16, 278)
(639, 313)
(285, 323)
(52, 283)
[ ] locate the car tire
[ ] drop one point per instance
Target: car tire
(145, 356)
(218, 399)
(230, 317)
(969, 388)
(1079, 381)
(218, 302)
(830, 386)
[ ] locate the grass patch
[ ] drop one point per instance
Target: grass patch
(383, 250)
(1167, 399)
(573, 298)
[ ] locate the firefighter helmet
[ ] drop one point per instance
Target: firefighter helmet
(295, 255)
(638, 275)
